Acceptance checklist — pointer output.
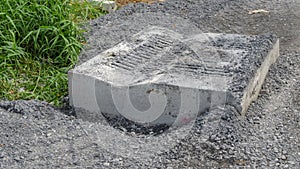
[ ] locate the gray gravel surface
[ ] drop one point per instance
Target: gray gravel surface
(34, 134)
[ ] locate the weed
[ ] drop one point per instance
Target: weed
(40, 40)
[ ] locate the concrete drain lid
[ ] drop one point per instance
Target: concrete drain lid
(160, 77)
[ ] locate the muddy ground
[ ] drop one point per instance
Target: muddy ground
(35, 135)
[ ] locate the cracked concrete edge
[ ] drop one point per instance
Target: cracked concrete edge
(253, 89)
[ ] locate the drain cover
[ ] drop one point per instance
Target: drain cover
(159, 76)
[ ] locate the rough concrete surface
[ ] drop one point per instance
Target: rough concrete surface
(182, 75)
(35, 135)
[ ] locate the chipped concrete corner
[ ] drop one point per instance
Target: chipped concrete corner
(160, 76)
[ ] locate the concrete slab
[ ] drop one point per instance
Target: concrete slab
(162, 77)
(106, 5)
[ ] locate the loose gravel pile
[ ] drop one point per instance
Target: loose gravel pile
(34, 134)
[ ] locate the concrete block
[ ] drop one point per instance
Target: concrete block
(161, 77)
(106, 5)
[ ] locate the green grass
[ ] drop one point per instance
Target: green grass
(40, 41)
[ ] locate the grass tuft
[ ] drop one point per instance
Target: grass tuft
(40, 40)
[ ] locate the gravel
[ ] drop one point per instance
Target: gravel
(34, 134)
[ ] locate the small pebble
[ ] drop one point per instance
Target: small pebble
(283, 157)
(292, 162)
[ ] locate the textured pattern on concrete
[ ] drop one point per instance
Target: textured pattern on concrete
(159, 76)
